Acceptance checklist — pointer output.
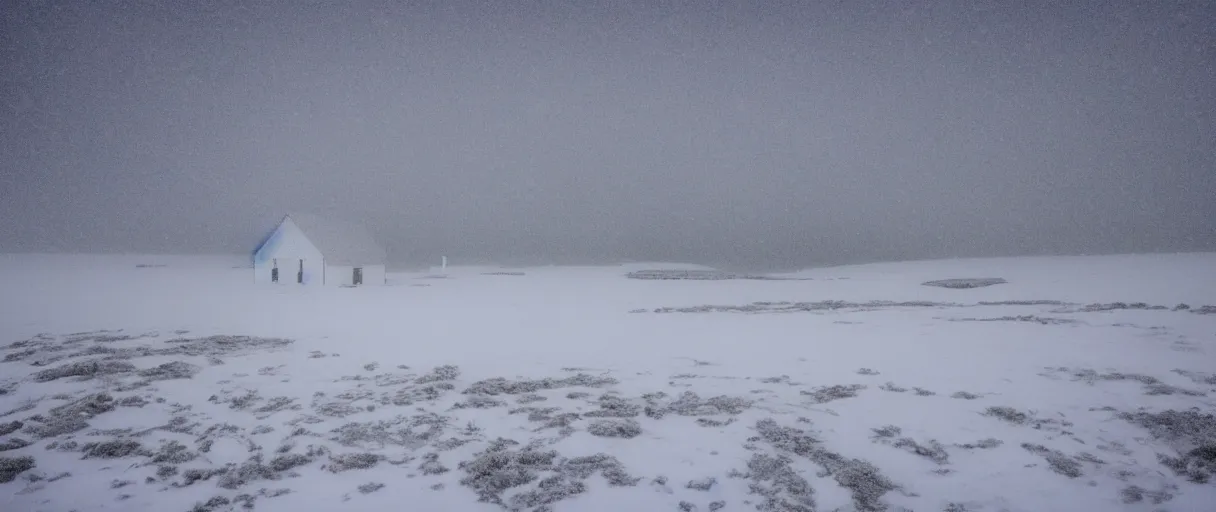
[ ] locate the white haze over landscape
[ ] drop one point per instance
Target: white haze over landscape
(662, 220)
(403, 375)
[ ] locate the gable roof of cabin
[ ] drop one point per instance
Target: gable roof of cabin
(340, 242)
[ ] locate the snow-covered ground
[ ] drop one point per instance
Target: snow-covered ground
(174, 383)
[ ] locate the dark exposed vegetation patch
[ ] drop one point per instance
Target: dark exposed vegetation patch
(530, 398)
(502, 467)
(1059, 462)
(617, 427)
(703, 484)
(10, 427)
(1198, 377)
(892, 387)
(825, 394)
(1152, 385)
(691, 404)
(170, 370)
(702, 275)
(931, 449)
(781, 487)
(13, 443)
(10, 467)
(983, 444)
(793, 307)
(69, 417)
(1136, 494)
(370, 487)
(1042, 320)
(289, 461)
(863, 479)
(114, 449)
(132, 401)
(107, 360)
(965, 283)
(1008, 415)
(84, 369)
(221, 345)
(411, 432)
(479, 402)
(349, 461)
(866, 371)
(442, 373)
(964, 395)
(431, 466)
(192, 476)
(411, 395)
(501, 386)
(1191, 433)
(214, 504)
(1113, 306)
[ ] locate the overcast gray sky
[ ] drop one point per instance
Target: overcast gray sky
(759, 133)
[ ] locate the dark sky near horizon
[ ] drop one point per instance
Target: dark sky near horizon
(751, 133)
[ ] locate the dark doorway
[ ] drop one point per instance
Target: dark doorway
(300, 274)
(358, 277)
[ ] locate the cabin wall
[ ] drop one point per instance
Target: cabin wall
(286, 247)
(338, 275)
(343, 275)
(374, 275)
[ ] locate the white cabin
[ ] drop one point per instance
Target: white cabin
(309, 250)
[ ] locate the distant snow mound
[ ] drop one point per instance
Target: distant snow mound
(976, 282)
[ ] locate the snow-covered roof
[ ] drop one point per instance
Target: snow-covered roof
(340, 242)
